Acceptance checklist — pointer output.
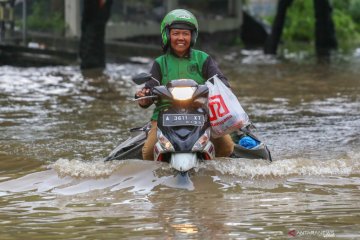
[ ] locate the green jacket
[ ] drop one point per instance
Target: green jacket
(198, 66)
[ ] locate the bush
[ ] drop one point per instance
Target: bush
(300, 22)
(347, 31)
(41, 20)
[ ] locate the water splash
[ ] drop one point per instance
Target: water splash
(246, 168)
(138, 175)
(71, 177)
(83, 169)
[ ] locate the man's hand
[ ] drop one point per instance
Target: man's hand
(142, 93)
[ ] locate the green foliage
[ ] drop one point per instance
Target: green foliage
(41, 20)
(349, 9)
(354, 10)
(346, 29)
(300, 22)
(342, 4)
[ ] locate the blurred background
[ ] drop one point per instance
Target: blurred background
(130, 28)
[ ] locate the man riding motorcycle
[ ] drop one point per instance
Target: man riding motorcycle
(179, 30)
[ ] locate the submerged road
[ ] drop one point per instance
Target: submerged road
(56, 126)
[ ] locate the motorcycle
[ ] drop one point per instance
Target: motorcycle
(183, 129)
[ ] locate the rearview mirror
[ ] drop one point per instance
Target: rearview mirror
(141, 78)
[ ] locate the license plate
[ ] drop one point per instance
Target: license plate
(183, 119)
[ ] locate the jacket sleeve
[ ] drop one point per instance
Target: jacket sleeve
(210, 68)
(155, 71)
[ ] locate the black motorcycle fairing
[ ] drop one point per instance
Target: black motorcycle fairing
(183, 138)
(201, 91)
(162, 91)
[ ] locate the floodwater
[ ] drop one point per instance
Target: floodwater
(56, 127)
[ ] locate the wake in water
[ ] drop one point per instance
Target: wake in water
(76, 177)
(244, 168)
(67, 177)
(255, 169)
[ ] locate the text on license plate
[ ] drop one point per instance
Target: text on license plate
(183, 119)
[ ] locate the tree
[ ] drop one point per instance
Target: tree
(92, 47)
(325, 39)
(273, 40)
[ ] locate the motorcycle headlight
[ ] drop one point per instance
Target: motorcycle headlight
(164, 142)
(202, 141)
(182, 93)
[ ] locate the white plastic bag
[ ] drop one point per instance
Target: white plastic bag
(225, 112)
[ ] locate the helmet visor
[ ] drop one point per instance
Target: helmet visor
(185, 26)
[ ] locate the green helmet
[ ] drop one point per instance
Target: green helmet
(181, 19)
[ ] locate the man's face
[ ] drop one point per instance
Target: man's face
(180, 41)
